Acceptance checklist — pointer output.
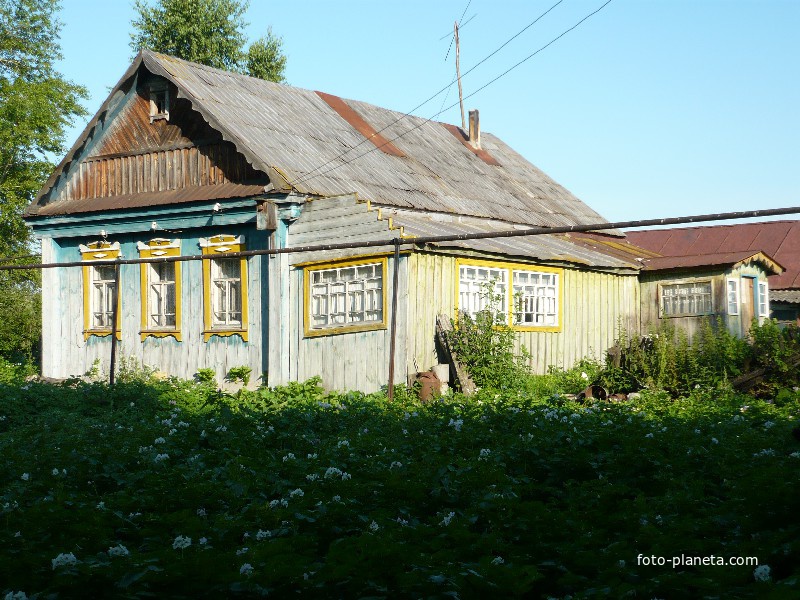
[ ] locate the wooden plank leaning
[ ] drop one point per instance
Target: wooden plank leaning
(457, 369)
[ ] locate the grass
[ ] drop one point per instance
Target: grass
(173, 489)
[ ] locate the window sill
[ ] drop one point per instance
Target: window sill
(161, 333)
(100, 333)
(541, 328)
(209, 333)
(311, 333)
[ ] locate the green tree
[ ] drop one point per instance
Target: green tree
(208, 32)
(265, 58)
(37, 104)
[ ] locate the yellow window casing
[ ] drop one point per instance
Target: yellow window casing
(95, 251)
(310, 268)
(210, 247)
(157, 248)
(510, 268)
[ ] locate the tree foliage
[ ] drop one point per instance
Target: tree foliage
(37, 104)
(265, 58)
(208, 32)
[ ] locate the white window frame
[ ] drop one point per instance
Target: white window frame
(544, 301)
(217, 288)
(154, 313)
(97, 319)
(226, 292)
(473, 279)
(338, 302)
(101, 316)
(544, 297)
(763, 298)
(664, 287)
(733, 295)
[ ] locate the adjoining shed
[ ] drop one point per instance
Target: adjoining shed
(187, 160)
(778, 296)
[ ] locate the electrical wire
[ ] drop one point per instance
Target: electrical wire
(429, 119)
(310, 174)
(459, 24)
(5, 259)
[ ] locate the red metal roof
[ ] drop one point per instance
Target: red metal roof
(779, 240)
(719, 259)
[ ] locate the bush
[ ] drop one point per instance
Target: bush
(665, 359)
(485, 344)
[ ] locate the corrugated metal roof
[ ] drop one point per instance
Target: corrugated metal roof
(778, 239)
(187, 194)
(291, 131)
(545, 248)
(790, 296)
(720, 259)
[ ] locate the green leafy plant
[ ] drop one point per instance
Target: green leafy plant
(294, 490)
(485, 344)
(206, 376)
(236, 374)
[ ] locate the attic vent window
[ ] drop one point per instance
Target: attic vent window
(159, 103)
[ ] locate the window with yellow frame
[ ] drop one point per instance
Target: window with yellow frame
(526, 298)
(99, 289)
(345, 296)
(160, 289)
(224, 288)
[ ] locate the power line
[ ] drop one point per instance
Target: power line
(459, 23)
(5, 259)
(310, 174)
(429, 119)
(434, 239)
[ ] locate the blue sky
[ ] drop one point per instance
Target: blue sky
(649, 109)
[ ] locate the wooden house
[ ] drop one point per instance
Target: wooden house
(756, 267)
(187, 160)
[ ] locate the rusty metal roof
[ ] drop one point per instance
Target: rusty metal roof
(719, 259)
(779, 240)
(302, 143)
(187, 194)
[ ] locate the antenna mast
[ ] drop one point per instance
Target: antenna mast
(458, 76)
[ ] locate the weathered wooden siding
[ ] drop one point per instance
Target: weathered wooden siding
(67, 353)
(346, 361)
(595, 306)
(158, 170)
(338, 220)
(651, 309)
(131, 155)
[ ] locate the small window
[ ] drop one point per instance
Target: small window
(345, 297)
(733, 296)
(103, 294)
(160, 289)
(224, 288)
(535, 299)
(763, 299)
(159, 102)
(99, 289)
(686, 299)
(226, 293)
(481, 287)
